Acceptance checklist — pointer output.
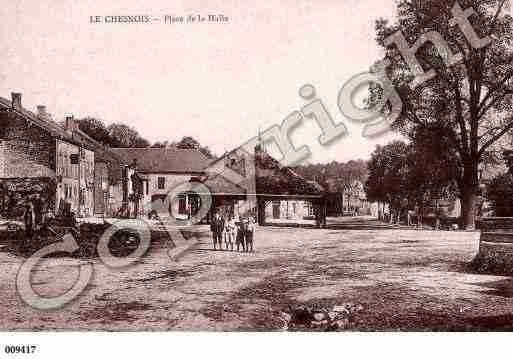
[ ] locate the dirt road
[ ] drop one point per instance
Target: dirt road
(405, 280)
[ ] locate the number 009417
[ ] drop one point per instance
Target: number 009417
(20, 349)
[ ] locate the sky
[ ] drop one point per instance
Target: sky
(218, 82)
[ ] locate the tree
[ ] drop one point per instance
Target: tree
(500, 194)
(433, 169)
(189, 142)
(389, 175)
(335, 176)
(124, 136)
(409, 174)
(158, 144)
(338, 179)
(140, 142)
(507, 156)
(115, 135)
(468, 101)
(95, 128)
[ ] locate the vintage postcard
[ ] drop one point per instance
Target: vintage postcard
(280, 166)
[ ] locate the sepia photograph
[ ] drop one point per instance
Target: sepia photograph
(283, 169)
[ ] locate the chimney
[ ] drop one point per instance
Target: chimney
(41, 111)
(16, 100)
(69, 122)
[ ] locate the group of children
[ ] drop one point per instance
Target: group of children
(240, 232)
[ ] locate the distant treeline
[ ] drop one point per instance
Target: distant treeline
(120, 135)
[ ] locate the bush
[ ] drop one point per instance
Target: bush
(500, 194)
(492, 264)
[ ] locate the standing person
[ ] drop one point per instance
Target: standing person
(420, 216)
(220, 230)
(217, 230)
(250, 232)
(232, 231)
(38, 211)
(386, 213)
(11, 204)
(225, 231)
(227, 234)
(415, 216)
(28, 218)
(240, 236)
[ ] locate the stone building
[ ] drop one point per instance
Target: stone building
(289, 210)
(239, 184)
(109, 174)
(161, 171)
(40, 157)
(74, 168)
(253, 183)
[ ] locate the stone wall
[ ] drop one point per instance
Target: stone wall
(495, 246)
(27, 151)
(171, 182)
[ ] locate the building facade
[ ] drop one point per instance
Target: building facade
(40, 158)
(75, 173)
(289, 210)
(255, 184)
(161, 172)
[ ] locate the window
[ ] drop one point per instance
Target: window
(60, 163)
(65, 160)
(243, 166)
(161, 182)
(182, 204)
(309, 208)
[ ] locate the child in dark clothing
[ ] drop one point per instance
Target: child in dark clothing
(250, 231)
(240, 239)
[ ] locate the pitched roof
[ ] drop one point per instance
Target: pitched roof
(46, 124)
(276, 179)
(272, 179)
(76, 137)
(217, 184)
(165, 160)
